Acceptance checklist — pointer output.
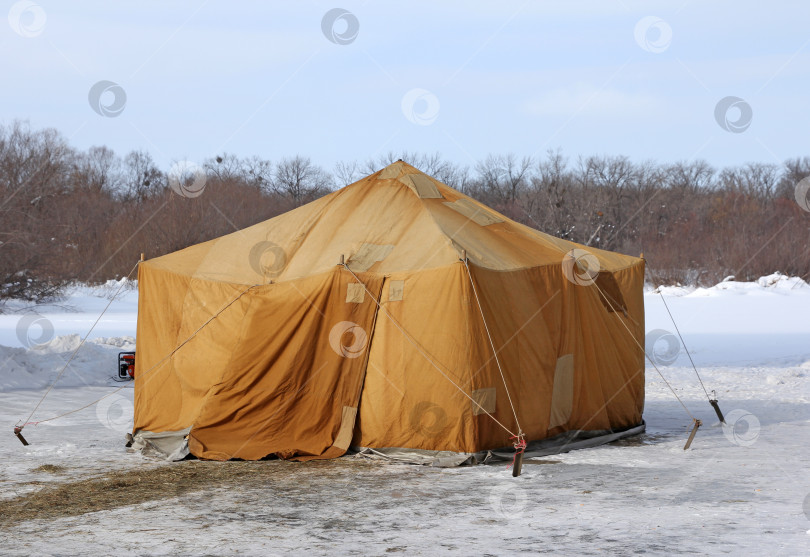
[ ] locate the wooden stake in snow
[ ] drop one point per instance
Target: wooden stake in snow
(713, 402)
(516, 467)
(698, 423)
(18, 433)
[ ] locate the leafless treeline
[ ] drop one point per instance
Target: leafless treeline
(68, 214)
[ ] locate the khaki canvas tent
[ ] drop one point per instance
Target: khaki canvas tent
(260, 343)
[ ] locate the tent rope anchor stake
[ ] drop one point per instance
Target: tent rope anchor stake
(517, 460)
(713, 402)
(698, 423)
(18, 433)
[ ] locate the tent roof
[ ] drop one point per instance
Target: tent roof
(397, 219)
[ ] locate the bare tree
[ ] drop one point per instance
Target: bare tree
(253, 171)
(142, 178)
(99, 169)
(504, 177)
(755, 179)
(299, 180)
(795, 170)
(35, 167)
(550, 202)
(347, 173)
(225, 167)
(258, 173)
(689, 177)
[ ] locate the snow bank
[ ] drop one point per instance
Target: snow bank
(23, 324)
(37, 367)
(776, 283)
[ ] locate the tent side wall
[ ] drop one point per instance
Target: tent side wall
(569, 362)
(293, 383)
(522, 310)
(631, 283)
(423, 324)
(171, 307)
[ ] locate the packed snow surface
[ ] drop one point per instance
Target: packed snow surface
(742, 488)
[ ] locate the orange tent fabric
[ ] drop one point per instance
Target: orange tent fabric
(259, 343)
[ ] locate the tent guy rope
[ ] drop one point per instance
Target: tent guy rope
(696, 423)
(18, 428)
(712, 401)
(520, 434)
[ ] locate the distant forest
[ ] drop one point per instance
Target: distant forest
(70, 215)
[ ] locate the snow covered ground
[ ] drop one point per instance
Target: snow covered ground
(740, 489)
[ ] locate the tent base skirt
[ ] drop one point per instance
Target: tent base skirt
(173, 445)
(169, 445)
(568, 441)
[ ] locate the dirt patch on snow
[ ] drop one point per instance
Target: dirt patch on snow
(125, 488)
(50, 469)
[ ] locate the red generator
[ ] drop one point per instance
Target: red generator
(126, 366)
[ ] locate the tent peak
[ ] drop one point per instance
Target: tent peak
(424, 186)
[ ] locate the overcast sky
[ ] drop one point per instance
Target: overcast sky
(641, 79)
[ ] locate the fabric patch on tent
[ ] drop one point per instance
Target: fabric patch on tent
(344, 436)
(368, 255)
(390, 171)
(562, 395)
(485, 399)
(424, 187)
(355, 293)
(396, 288)
(473, 212)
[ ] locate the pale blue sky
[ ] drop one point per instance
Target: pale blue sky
(260, 78)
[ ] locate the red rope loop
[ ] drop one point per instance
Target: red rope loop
(520, 447)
